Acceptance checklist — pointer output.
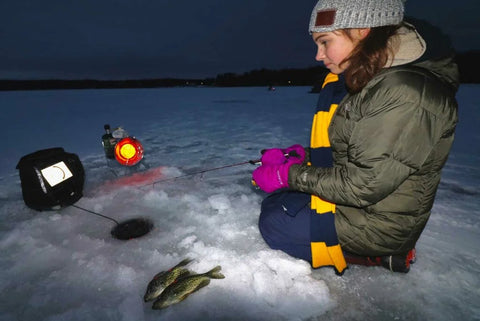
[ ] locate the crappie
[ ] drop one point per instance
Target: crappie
(180, 290)
(163, 279)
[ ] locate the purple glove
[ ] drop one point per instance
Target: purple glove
(271, 177)
(276, 156)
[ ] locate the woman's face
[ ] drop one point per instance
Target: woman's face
(334, 46)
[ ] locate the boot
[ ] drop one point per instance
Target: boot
(399, 262)
(362, 260)
(395, 263)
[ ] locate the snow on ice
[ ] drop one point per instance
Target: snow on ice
(64, 265)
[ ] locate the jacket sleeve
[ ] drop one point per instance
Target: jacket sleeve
(392, 134)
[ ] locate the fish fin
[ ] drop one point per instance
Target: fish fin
(182, 263)
(215, 274)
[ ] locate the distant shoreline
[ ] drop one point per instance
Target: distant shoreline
(312, 76)
(262, 77)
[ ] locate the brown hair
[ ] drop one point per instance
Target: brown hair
(369, 57)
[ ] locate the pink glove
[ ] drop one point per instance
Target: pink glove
(271, 177)
(276, 156)
(273, 156)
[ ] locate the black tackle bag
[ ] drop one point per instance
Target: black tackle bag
(51, 179)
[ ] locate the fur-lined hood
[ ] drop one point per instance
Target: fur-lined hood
(409, 47)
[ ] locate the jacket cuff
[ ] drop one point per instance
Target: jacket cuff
(307, 155)
(293, 173)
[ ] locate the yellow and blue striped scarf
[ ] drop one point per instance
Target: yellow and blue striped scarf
(326, 250)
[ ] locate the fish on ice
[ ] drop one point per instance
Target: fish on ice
(183, 287)
(164, 278)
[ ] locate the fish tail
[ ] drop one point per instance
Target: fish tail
(215, 274)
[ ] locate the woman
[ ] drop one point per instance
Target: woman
(381, 134)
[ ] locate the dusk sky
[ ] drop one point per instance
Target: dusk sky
(127, 39)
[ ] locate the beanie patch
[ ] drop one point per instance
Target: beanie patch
(325, 18)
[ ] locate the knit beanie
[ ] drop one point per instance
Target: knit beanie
(329, 15)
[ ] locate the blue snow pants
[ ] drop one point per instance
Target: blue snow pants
(285, 223)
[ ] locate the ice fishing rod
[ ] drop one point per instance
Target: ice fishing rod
(251, 162)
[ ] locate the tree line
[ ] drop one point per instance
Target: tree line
(467, 63)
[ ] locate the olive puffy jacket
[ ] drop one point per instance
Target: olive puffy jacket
(389, 144)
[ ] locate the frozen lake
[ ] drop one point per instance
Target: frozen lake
(64, 265)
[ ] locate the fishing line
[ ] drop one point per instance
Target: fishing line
(125, 230)
(92, 212)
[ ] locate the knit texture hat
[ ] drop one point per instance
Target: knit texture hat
(329, 15)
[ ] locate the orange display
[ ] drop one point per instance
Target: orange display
(128, 151)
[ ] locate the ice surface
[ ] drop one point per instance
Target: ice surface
(64, 265)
